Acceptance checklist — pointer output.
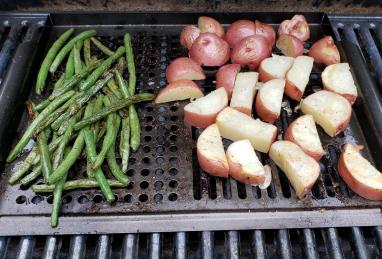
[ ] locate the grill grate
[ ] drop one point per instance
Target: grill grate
(354, 242)
(169, 192)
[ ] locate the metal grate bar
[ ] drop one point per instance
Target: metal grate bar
(7, 49)
(3, 246)
(378, 234)
(310, 248)
(129, 246)
(207, 245)
(77, 247)
(233, 244)
(180, 245)
(359, 243)
(332, 243)
(103, 247)
(155, 246)
(51, 248)
(258, 244)
(283, 244)
(26, 246)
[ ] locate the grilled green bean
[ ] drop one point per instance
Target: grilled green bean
(43, 72)
(41, 106)
(112, 128)
(114, 168)
(36, 172)
(124, 143)
(67, 48)
(130, 63)
(70, 83)
(36, 122)
(97, 107)
(46, 163)
(92, 78)
(91, 152)
(143, 97)
(69, 68)
(75, 184)
(135, 129)
(59, 82)
(77, 57)
(80, 101)
(57, 113)
(57, 195)
(87, 54)
(101, 46)
(28, 162)
(69, 160)
(114, 88)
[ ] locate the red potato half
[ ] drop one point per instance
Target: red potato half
(251, 51)
(359, 174)
(268, 100)
(235, 125)
(210, 50)
(189, 35)
(267, 31)
(203, 111)
(244, 165)
(211, 154)
(302, 170)
(184, 68)
(208, 24)
(298, 77)
(239, 30)
(330, 110)
(324, 51)
(290, 46)
(179, 90)
(303, 132)
(274, 67)
(297, 27)
(244, 92)
(338, 78)
(226, 76)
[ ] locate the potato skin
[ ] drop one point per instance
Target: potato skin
(188, 36)
(290, 45)
(209, 24)
(360, 188)
(213, 167)
(324, 51)
(290, 136)
(198, 120)
(263, 112)
(264, 76)
(238, 173)
(226, 76)
(184, 68)
(239, 30)
(292, 91)
(351, 98)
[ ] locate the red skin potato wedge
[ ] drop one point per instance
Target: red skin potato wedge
(179, 90)
(184, 68)
(210, 50)
(189, 35)
(251, 51)
(292, 91)
(290, 135)
(324, 51)
(210, 152)
(297, 27)
(252, 172)
(208, 24)
(301, 170)
(262, 107)
(239, 30)
(267, 31)
(244, 92)
(274, 67)
(211, 105)
(290, 46)
(225, 77)
(337, 78)
(349, 174)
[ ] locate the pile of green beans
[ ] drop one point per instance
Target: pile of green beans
(90, 105)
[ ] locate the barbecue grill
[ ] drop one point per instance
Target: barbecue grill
(169, 192)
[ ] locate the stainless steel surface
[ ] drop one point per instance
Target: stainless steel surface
(26, 246)
(51, 248)
(207, 245)
(129, 246)
(180, 245)
(103, 247)
(77, 247)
